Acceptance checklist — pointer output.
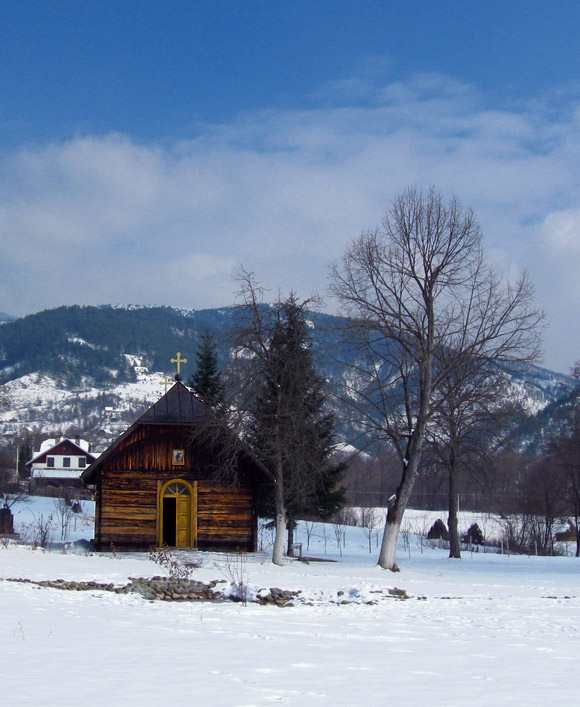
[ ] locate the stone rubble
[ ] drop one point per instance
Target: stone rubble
(154, 588)
(172, 589)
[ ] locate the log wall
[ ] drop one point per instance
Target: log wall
(128, 496)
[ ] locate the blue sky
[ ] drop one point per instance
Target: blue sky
(148, 148)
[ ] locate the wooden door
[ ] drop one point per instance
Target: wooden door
(183, 521)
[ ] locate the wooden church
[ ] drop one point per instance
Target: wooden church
(157, 485)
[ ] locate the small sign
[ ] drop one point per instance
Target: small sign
(179, 457)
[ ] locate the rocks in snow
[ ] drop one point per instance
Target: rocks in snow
(171, 589)
(278, 597)
(155, 588)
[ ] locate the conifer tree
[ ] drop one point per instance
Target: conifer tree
(206, 382)
(291, 433)
(24, 455)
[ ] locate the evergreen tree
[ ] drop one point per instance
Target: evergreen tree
(24, 455)
(291, 433)
(206, 382)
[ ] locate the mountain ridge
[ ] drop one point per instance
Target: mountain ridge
(95, 367)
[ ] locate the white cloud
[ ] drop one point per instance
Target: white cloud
(104, 218)
(562, 230)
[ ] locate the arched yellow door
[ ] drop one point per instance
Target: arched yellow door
(177, 507)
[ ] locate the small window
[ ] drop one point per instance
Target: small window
(50, 462)
(176, 489)
(82, 462)
(66, 462)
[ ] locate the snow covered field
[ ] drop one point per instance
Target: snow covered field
(487, 629)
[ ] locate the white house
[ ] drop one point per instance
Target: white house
(61, 460)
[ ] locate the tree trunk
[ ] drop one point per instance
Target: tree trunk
(279, 504)
(281, 521)
(291, 526)
(278, 549)
(454, 546)
(6, 522)
(388, 554)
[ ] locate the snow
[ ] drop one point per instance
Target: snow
(350, 450)
(482, 630)
(73, 339)
(418, 522)
(53, 441)
(34, 398)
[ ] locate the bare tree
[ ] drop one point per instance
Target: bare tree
(413, 290)
(471, 416)
(369, 521)
(12, 490)
(338, 528)
(542, 505)
(309, 527)
(63, 509)
(565, 455)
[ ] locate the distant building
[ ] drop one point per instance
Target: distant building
(60, 461)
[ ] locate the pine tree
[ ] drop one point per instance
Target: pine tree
(291, 432)
(206, 382)
(24, 455)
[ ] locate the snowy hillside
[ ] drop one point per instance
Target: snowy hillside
(38, 402)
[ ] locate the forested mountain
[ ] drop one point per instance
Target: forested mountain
(89, 367)
(76, 343)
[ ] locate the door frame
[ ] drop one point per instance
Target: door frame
(192, 488)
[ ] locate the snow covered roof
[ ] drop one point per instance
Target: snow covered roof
(48, 444)
(62, 445)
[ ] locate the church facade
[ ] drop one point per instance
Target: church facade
(157, 485)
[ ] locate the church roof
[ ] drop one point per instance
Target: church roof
(177, 407)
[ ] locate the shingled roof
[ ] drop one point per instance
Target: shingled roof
(178, 406)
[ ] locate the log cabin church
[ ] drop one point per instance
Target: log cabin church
(155, 485)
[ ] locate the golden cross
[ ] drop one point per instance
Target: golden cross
(167, 383)
(178, 361)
